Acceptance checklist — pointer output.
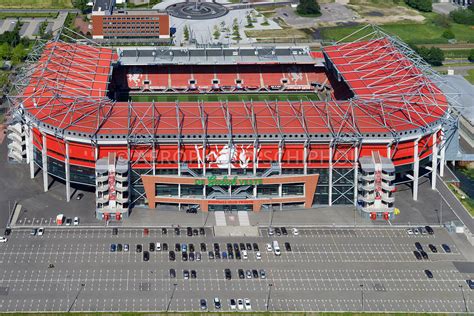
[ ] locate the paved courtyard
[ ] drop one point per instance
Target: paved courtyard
(326, 270)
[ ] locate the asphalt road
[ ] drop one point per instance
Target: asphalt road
(327, 270)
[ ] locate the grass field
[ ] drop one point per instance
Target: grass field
(224, 97)
(4, 15)
(470, 76)
(35, 4)
(466, 201)
(427, 33)
(456, 53)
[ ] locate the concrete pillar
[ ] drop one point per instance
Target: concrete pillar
(442, 157)
(305, 166)
(255, 162)
(44, 156)
(416, 171)
(330, 176)
(67, 172)
(30, 151)
(434, 162)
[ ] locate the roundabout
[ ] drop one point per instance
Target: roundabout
(197, 10)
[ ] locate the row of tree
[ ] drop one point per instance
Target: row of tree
(420, 5)
(433, 56)
(463, 16)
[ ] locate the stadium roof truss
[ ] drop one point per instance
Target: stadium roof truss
(64, 83)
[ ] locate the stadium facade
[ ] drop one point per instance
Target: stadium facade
(340, 126)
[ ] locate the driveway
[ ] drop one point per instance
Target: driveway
(330, 13)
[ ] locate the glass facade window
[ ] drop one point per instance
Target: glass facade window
(166, 189)
(191, 190)
(267, 190)
(293, 189)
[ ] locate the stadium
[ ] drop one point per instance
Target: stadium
(232, 128)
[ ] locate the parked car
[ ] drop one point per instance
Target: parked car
(240, 304)
(165, 247)
(446, 248)
(258, 256)
(40, 231)
(287, 246)
(139, 248)
(177, 247)
(198, 256)
(195, 232)
(193, 274)
(248, 246)
(7, 231)
(113, 247)
(418, 246)
(203, 304)
(189, 231)
(217, 303)
(185, 274)
(177, 232)
(119, 247)
(470, 283)
(68, 222)
(269, 248)
(424, 255)
(284, 231)
(410, 231)
(211, 255)
(277, 231)
(184, 256)
(417, 255)
(263, 275)
(429, 274)
(429, 230)
(172, 256)
(433, 248)
(241, 274)
(191, 256)
(115, 231)
(233, 304)
(295, 232)
(79, 196)
(247, 304)
(158, 246)
(151, 246)
(191, 248)
(271, 231)
(172, 273)
(203, 246)
(228, 274)
(125, 247)
(202, 232)
(3, 239)
(33, 232)
(76, 221)
(248, 273)
(146, 256)
(244, 255)
(164, 231)
(255, 274)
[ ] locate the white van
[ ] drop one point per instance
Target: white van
(276, 248)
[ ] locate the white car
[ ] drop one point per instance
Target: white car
(247, 304)
(258, 256)
(269, 248)
(240, 304)
(40, 231)
(158, 246)
(271, 231)
(244, 255)
(409, 231)
(3, 239)
(76, 221)
(415, 230)
(295, 232)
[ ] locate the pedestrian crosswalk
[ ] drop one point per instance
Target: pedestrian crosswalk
(243, 218)
(220, 218)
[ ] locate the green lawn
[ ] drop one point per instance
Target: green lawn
(427, 33)
(35, 4)
(470, 76)
(456, 53)
(466, 201)
(223, 97)
(4, 15)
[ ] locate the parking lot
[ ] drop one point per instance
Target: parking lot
(326, 270)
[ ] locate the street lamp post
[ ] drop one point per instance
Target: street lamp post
(171, 297)
(362, 296)
(268, 297)
(464, 299)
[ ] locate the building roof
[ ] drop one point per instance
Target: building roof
(103, 6)
(67, 93)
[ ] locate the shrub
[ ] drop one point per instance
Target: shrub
(308, 7)
(463, 16)
(448, 34)
(433, 56)
(442, 20)
(471, 56)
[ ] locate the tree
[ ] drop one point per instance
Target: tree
(471, 56)
(434, 56)
(186, 33)
(308, 7)
(463, 16)
(5, 51)
(249, 21)
(19, 53)
(236, 31)
(420, 5)
(217, 33)
(81, 5)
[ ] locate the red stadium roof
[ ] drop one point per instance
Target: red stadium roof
(68, 89)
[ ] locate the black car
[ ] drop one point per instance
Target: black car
(228, 274)
(172, 256)
(202, 231)
(417, 255)
(193, 274)
(277, 231)
(248, 246)
(470, 283)
(429, 274)
(172, 273)
(177, 232)
(192, 210)
(191, 248)
(203, 246)
(230, 255)
(119, 247)
(151, 246)
(139, 248)
(115, 231)
(189, 231)
(146, 256)
(255, 274)
(241, 274)
(177, 247)
(229, 246)
(7, 232)
(255, 246)
(184, 256)
(191, 256)
(424, 255)
(242, 246)
(429, 230)
(211, 255)
(287, 246)
(165, 246)
(203, 304)
(217, 254)
(236, 246)
(418, 246)
(164, 231)
(446, 248)
(216, 247)
(195, 232)
(433, 248)
(284, 231)
(237, 255)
